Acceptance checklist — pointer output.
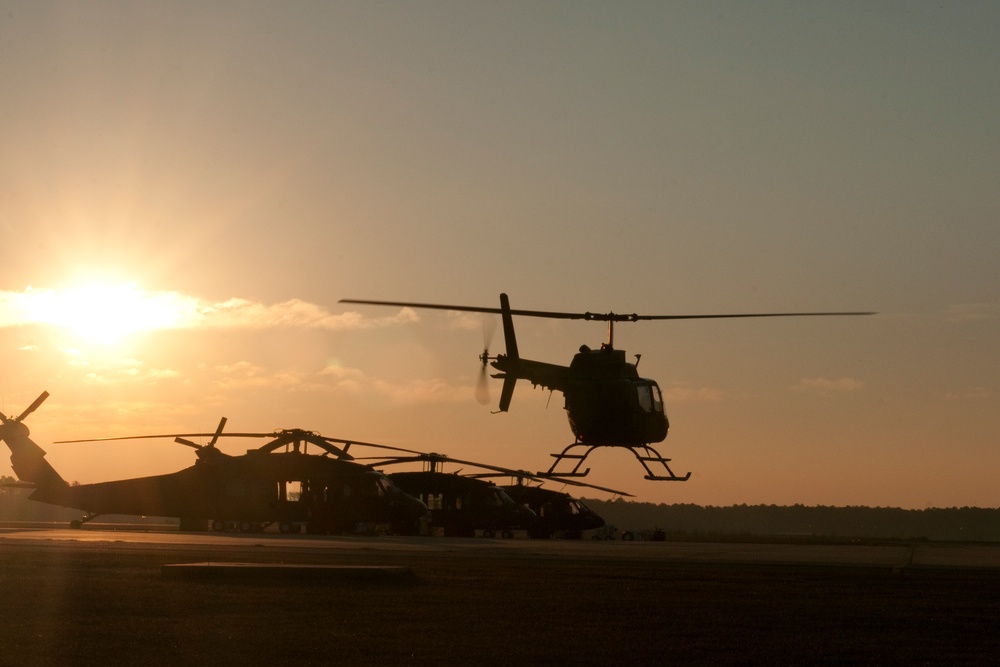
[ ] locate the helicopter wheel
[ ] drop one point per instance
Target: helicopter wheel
(288, 527)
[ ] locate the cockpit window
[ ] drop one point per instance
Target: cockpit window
(649, 397)
(645, 397)
(376, 484)
(657, 398)
(499, 497)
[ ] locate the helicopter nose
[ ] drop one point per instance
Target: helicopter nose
(414, 508)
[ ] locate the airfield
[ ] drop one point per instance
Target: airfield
(99, 596)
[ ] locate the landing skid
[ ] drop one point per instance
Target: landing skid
(644, 453)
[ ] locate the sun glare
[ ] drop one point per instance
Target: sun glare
(103, 314)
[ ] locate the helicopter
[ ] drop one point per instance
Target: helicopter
(557, 513)
(458, 506)
(461, 505)
(328, 493)
(606, 400)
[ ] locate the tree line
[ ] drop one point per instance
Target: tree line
(684, 520)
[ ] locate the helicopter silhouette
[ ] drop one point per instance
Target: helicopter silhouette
(606, 400)
(465, 504)
(328, 493)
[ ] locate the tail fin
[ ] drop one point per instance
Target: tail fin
(510, 378)
(508, 328)
(26, 458)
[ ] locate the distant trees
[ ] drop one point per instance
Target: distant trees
(955, 523)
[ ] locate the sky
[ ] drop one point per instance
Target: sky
(188, 189)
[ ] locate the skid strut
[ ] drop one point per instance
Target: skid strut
(644, 453)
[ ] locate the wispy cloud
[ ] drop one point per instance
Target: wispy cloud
(173, 310)
(972, 312)
(692, 395)
(417, 391)
(828, 386)
(241, 313)
(970, 394)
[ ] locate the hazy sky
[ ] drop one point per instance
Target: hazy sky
(187, 189)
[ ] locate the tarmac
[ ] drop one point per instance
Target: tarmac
(891, 555)
(103, 595)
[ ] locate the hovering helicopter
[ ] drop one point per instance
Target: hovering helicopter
(323, 493)
(607, 402)
(463, 504)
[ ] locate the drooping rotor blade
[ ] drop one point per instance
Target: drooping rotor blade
(496, 470)
(167, 435)
(285, 434)
(348, 443)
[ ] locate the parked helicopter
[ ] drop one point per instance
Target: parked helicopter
(323, 493)
(462, 507)
(607, 402)
(463, 504)
(557, 513)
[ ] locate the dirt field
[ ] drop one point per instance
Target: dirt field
(90, 604)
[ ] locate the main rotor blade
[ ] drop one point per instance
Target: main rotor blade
(498, 470)
(169, 435)
(183, 441)
(218, 432)
(34, 406)
(369, 444)
(632, 318)
(601, 317)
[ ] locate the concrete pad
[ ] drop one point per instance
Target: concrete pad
(285, 572)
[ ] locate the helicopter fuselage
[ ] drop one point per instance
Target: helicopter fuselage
(557, 513)
(606, 401)
(461, 505)
(329, 494)
(260, 487)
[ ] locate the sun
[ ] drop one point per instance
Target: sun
(102, 313)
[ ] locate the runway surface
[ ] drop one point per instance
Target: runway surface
(917, 554)
(98, 596)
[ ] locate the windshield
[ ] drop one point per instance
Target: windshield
(649, 397)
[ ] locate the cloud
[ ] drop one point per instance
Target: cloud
(692, 395)
(972, 312)
(171, 310)
(417, 391)
(970, 394)
(827, 386)
(424, 391)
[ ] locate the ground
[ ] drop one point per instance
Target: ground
(107, 602)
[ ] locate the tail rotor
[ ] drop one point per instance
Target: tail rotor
(482, 391)
(204, 450)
